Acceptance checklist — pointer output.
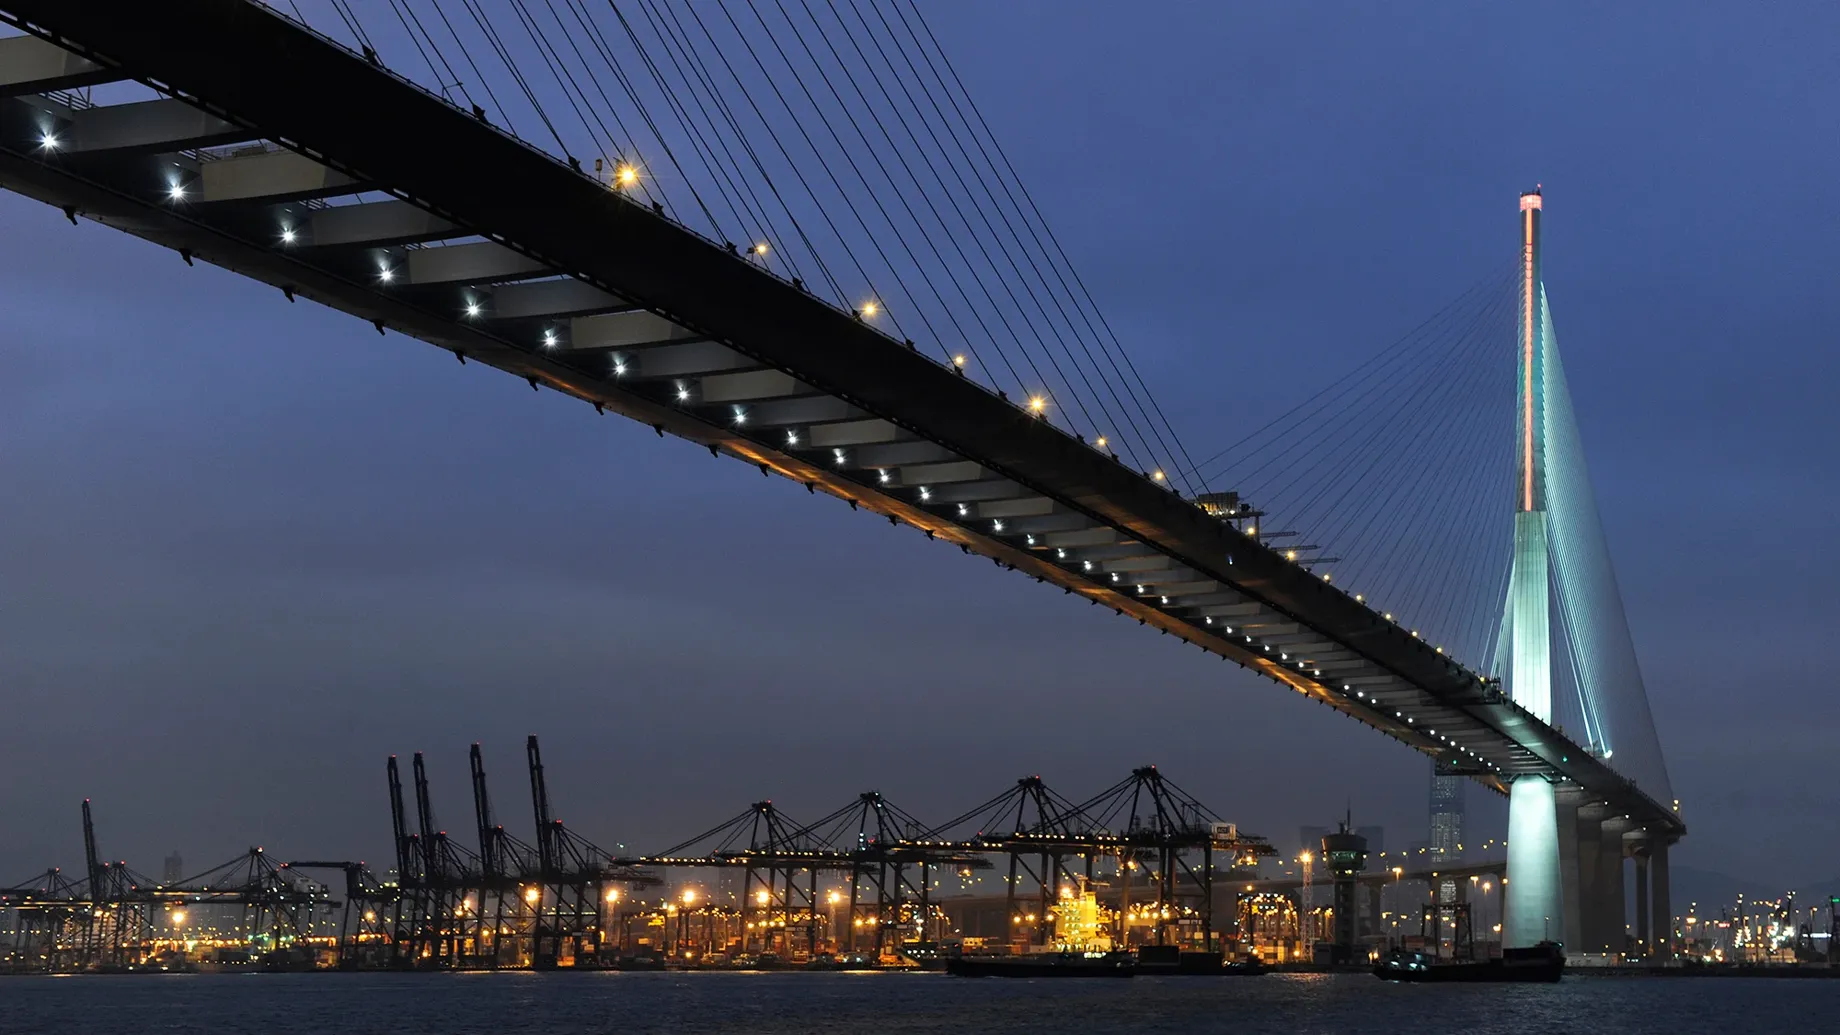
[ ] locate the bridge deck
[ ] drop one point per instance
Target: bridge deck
(281, 155)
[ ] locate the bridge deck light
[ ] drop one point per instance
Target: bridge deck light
(1100, 441)
(760, 248)
(625, 175)
(1037, 404)
(1157, 475)
(870, 308)
(959, 361)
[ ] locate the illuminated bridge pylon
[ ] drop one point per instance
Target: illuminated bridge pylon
(1564, 654)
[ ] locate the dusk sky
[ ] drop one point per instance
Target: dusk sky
(248, 549)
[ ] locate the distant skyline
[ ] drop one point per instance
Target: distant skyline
(251, 548)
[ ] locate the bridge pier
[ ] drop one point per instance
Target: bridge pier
(1531, 899)
(1663, 907)
(1613, 903)
(1570, 867)
(1641, 860)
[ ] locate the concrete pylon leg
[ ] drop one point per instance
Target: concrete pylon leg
(1531, 898)
(1610, 871)
(1664, 908)
(1642, 942)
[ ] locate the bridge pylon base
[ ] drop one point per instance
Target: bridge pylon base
(1533, 903)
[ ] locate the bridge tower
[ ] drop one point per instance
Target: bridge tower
(1533, 899)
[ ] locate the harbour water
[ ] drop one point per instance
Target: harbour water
(891, 1004)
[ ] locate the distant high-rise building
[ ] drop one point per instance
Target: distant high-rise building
(1446, 826)
(1376, 839)
(174, 870)
(1309, 839)
(1446, 816)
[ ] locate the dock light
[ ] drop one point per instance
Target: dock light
(1037, 404)
(613, 895)
(370, 916)
(761, 898)
(834, 898)
(288, 235)
(531, 895)
(178, 917)
(625, 175)
(689, 895)
(472, 309)
(869, 309)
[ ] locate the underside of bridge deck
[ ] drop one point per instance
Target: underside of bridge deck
(498, 253)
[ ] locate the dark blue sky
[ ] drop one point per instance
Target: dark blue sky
(250, 548)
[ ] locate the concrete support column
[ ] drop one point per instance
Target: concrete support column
(1569, 862)
(1664, 907)
(1642, 942)
(1610, 870)
(1590, 880)
(1531, 900)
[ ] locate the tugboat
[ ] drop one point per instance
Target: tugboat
(1543, 962)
